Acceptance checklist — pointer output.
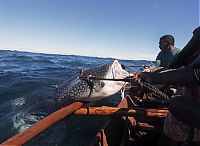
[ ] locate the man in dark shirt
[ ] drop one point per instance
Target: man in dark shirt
(168, 51)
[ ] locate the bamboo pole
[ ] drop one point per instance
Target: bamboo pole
(106, 111)
(28, 134)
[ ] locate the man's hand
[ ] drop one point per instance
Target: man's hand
(148, 77)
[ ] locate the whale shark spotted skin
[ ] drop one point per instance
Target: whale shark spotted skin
(79, 89)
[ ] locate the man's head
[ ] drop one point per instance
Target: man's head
(166, 42)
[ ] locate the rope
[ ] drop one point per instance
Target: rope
(155, 90)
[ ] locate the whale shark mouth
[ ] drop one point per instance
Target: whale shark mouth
(82, 89)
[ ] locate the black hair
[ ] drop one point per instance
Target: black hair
(168, 38)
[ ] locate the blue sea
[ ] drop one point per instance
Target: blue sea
(27, 84)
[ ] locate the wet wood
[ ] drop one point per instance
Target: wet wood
(111, 134)
(106, 111)
(40, 126)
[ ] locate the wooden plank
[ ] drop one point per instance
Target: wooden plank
(109, 134)
(106, 111)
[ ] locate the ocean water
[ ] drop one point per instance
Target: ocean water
(26, 95)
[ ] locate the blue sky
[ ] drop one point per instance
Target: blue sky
(124, 29)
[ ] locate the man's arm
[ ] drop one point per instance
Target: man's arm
(191, 48)
(183, 77)
(158, 60)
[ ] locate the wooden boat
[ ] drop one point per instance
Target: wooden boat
(128, 124)
(141, 127)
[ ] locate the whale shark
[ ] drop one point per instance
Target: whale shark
(77, 89)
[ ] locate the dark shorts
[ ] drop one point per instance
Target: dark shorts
(184, 112)
(177, 130)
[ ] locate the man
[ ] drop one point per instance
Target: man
(184, 110)
(166, 55)
(168, 51)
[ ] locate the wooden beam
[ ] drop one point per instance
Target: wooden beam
(106, 111)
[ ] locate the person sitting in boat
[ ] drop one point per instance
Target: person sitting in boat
(183, 121)
(167, 53)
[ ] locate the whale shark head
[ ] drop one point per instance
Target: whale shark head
(79, 89)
